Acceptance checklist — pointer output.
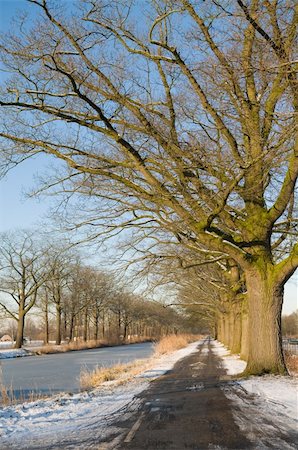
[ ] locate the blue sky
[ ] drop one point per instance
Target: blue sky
(15, 210)
(19, 211)
(9, 8)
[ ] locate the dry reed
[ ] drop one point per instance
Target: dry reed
(120, 372)
(82, 345)
(8, 397)
(174, 342)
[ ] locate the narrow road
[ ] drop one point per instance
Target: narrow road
(186, 409)
(60, 372)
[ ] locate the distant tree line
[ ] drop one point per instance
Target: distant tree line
(70, 300)
(289, 325)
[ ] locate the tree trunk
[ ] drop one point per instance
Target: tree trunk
(231, 322)
(103, 329)
(96, 323)
(215, 330)
(46, 320)
(220, 327)
(58, 324)
(236, 328)
(71, 326)
(64, 334)
(264, 315)
(20, 331)
(125, 330)
(226, 329)
(119, 325)
(244, 334)
(85, 329)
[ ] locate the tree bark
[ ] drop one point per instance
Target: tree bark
(244, 334)
(58, 324)
(20, 331)
(226, 329)
(103, 329)
(71, 326)
(85, 329)
(96, 323)
(265, 299)
(46, 320)
(231, 322)
(220, 327)
(236, 328)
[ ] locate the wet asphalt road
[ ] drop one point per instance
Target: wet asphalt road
(186, 409)
(50, 374)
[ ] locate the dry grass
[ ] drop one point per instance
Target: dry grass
(7, 395)
(81, 345)
(291, 363)
(174, 342)
(8, 398)
(119, 372)
(71, 346)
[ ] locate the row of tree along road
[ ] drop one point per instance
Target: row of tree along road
(175, 121)
(69, 301)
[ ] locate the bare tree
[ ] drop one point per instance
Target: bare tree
(185, 124)
(290, 324)
(214, 291)
(22, 273)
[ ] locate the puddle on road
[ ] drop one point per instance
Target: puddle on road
(196, 387)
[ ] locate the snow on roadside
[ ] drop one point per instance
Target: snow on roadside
(14, 353)
(232, 363)
(77, 419)
(278, 392)
(267, 406)
(167, 362)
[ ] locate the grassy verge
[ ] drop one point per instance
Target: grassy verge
(124, 372)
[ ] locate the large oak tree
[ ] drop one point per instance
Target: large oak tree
(173, 115)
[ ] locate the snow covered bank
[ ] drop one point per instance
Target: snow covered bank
(278, 393)
(232, 363)
(266, 408)
(74, 421)
(14, 353)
